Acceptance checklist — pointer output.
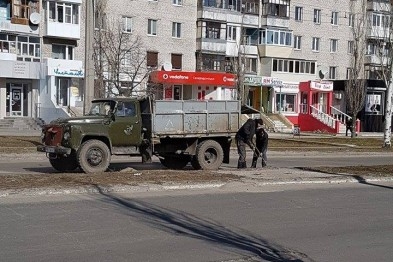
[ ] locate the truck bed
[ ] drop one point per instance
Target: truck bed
(186, 118)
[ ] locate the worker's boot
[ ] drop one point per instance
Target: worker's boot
(264, 163)
(241, 164)
(254, 164)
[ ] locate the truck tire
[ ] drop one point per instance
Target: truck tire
(94, 156)
(175, 162)
(64, 163)
(209, 155)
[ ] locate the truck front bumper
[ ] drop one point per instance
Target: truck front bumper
(58, 150)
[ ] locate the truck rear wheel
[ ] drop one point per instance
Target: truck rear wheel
(175, 162)
(94, 156)
(64, 163)
(209, 155)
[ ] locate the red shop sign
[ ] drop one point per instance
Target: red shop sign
(193, 78)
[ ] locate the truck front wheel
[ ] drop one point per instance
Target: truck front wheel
(209, 155)
(64, 163)
(94, 156)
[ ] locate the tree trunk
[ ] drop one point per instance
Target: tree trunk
(387, 134)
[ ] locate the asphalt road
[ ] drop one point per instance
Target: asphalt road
(37, 162)
(351, 222)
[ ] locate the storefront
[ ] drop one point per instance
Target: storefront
(19, 83)
(316, 96)
(179, 85)
(264, 93)
(62, 89)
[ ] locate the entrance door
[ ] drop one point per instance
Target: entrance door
(16, 100)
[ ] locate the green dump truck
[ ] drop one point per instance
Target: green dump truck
(178, 132)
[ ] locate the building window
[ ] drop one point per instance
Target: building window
(152, 60)
(127, 24)
(215, 63)
(278, 8)
(317, 16)
(334, 20)
(275, 37)
(380, 20)
(315, 44)
(176, 30)
(65, 52)
(213, 30)
(252, 7)
(297, 39)
(351, 20)
(349, 73)
(231, 33)
(298, 13)
(27, 48)
(293, 66)
(333, 45)
(63, 12)
(250, 65)
(176, 60)
(350, 47)
(332, 72)
(177, 2)
(151, 27)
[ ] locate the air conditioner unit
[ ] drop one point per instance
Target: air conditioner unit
(338, 95)
(231, 7)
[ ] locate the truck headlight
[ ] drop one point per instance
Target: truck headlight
(66, 136)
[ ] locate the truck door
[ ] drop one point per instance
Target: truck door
(126, 129)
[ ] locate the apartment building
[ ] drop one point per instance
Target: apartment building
(20, 57)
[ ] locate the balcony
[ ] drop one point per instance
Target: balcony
(64, 68)
(7, 26)
(274, 51)
(376, 60)
(378, 6)
(63, 30)
(275, 21)
(212, 45)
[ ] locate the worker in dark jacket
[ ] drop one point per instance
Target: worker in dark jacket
(244, 136)
(261, 142)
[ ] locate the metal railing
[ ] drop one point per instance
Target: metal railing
(339, 115)
(323, 117)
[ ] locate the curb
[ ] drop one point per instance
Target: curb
(244, 185)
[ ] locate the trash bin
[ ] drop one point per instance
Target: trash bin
(296, 130)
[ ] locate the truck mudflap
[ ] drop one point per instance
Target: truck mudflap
(58, 150)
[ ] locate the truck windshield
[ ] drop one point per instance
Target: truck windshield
(101, 108)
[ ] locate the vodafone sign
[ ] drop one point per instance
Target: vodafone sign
(193, 78)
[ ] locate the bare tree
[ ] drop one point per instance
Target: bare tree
(355, 89)
(381, 48)
(119, 56)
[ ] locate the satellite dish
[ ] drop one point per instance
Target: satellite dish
(167, 66)
(35, 18)
(323, 71)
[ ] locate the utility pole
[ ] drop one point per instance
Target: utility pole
(89, 63)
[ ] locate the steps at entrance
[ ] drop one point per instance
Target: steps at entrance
(281, 123)
(20, 124)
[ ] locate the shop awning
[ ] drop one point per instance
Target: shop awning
(193, 78)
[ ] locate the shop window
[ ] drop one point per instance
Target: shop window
(177, 92)
(285, 102)
(176, 60)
